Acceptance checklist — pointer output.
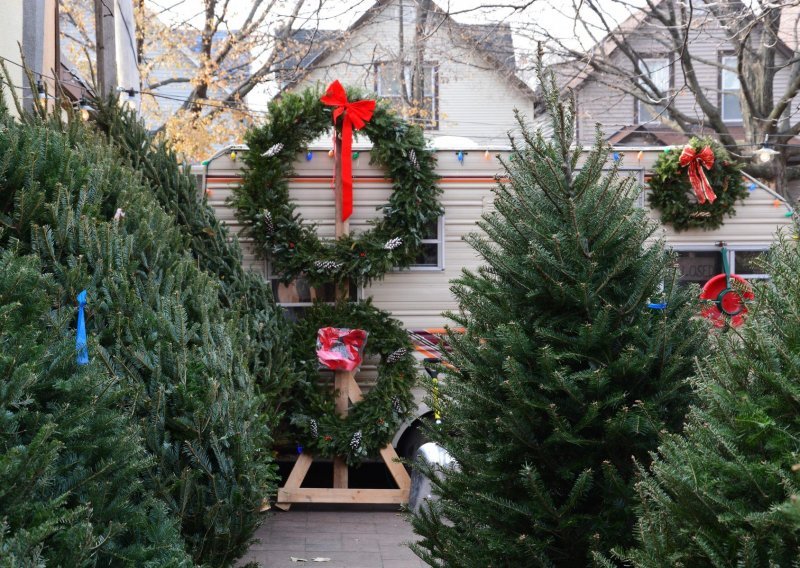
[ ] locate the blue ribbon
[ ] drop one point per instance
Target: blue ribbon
(662, 306)
(80, 339)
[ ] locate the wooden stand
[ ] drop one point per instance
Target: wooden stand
(347, 390)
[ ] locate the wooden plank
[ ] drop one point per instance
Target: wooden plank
(397, 469)
(296, 477)
(327, 495)
(353, 390)
(342, 381)
(299, 470)
(340, 477)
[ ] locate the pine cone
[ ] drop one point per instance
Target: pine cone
(273, 150)
(392, 244)
(395, 356)
(355, 442)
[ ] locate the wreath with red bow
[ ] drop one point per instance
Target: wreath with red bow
(270, 218)
(696, 186)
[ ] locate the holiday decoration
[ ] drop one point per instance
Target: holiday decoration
(377, 416)
(340, 349)
(80, 336)
(294, 247)
(726, 295)
(696, 161)
(354, 115)
(682, 181)
(273, 150)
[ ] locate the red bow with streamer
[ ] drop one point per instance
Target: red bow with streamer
(354, 116)
(697, 177)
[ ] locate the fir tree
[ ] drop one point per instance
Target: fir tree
(725, 492)
(72, 464)
(156, 320)
(565, 373)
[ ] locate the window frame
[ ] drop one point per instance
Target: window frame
(431, 123)
(638, 104)
(732, 250)
(722, 92)
(439, 240)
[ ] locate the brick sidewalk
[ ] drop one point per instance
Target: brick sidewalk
(350, 538)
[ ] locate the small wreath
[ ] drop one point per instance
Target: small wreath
(672, 194)
(263, 206)
(371, 423)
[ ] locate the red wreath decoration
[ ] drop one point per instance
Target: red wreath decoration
(728, 305)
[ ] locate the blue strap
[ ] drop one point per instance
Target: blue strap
(80, 339)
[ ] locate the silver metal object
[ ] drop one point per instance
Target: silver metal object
(433, 455)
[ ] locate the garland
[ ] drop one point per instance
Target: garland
(672, 194)
(262, 200)
(372, 423)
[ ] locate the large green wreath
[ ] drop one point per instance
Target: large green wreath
(263, 206)
(372, 423)
(671, 192)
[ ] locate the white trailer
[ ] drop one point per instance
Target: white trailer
(418, 296)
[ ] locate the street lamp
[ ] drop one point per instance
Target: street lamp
(766, 152)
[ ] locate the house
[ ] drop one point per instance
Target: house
(29, 36)
(468, 81)
(603, 79)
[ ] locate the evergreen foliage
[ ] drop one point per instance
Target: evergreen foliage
(672, 194)
(155, 322)
(262, 200)
(72, 464)
(725, 492)
(376, 418)
(564, 373)
(246, 296)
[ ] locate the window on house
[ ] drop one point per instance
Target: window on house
(431, 255)
(658, 71)
(729, 90)
(389, 85)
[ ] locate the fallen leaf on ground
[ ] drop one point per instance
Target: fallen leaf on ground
(298, 559)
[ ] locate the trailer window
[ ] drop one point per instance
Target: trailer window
(298, 295)
(698, 266)
(431, 255)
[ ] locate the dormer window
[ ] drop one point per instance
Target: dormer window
(730, 86)
(657, 69)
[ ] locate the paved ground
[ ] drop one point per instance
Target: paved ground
(365, 538)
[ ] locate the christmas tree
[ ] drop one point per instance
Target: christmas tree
(246, 295)
(71, 462)
(725, 492)
(154, 319)
(577, 343)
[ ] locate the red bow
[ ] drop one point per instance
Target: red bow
(697, 177)
(355, 116)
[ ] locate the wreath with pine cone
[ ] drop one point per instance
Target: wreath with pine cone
(270, 218)
(372, 422)
(672, 192)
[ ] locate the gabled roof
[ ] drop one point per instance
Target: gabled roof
(493, 41)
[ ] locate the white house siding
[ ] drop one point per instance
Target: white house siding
(475, 99)
(418, 298)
